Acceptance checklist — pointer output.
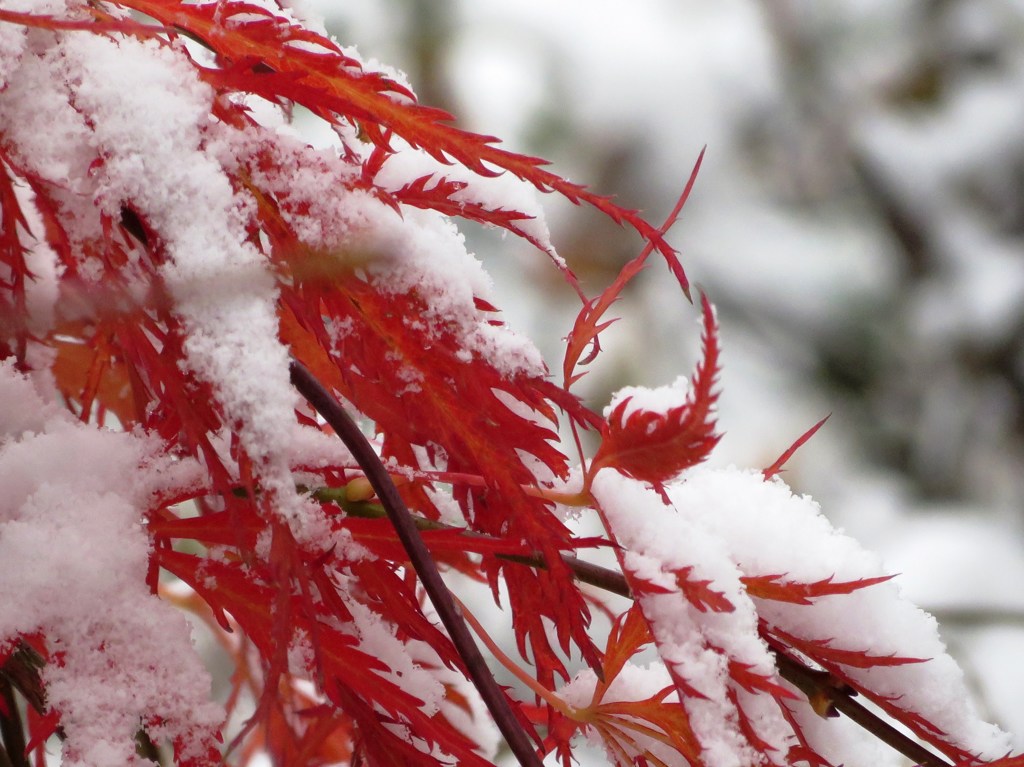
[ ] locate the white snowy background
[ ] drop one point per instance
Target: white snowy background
(857, 221)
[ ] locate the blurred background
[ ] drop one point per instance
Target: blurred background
(858, 221)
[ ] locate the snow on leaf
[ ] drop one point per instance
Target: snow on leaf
(144, 100)
(332, 82)
(866, 635)
(701, 647)
(412, 177)
(735, 532)
(77, 492)
(171, 242)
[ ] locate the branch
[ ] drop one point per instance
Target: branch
(12, 734)
(829, 698)
(826, 696)
(19, 672)
(328, 407)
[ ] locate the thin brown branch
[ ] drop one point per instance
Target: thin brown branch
(831, 698)
(21, 672)
(12, 732)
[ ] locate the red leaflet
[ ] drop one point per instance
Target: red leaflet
(13, 227)
(41, 727)
(330, 83)
(1009, 761)
(379, 536)
(630, 633)
(753, 682)
(353, 679)
(225, 528)
(626, 726)
(438, 196)
(825, 652)
(776, 467)
(700, 594)
(587, 328)
(654, 445)
(775, 587)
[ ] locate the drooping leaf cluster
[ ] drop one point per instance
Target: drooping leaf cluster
(165, 263)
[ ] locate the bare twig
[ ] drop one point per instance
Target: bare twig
(12, 734)
(20, 672)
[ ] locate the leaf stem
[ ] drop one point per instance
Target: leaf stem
(494, 698)
(538, 689)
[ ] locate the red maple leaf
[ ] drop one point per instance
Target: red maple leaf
(655, 446)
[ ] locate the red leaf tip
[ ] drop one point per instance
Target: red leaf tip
(654, 434)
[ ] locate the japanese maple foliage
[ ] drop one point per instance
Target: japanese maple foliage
(195, 305)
